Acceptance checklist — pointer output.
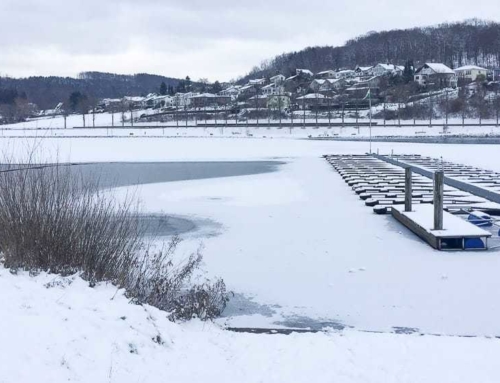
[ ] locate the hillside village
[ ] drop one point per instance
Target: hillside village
(404, 92)
(328, 91)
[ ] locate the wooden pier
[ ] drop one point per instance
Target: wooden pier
(419, 202)
(457, 234)
(381, 184)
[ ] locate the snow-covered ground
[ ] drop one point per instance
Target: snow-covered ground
(71, 332)
(54, 127)
(299, 248)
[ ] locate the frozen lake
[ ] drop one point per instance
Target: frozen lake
(298, 247)
(135, 174)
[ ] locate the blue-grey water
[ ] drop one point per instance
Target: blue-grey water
(116, 174)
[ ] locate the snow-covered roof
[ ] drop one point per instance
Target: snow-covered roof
(205, 95)
(311, 95)
(187, 94)
(162, 97)
(387, 66)
(154, 96)
(269, 86)
(326, 71)
(364, 68)
(440, 68)
(355, 88)
(134, 98)
(246, 87)
(469, 67)
(257, 81)
(346, 71)
(327, 81)
(305, 71)
(320, 81)
(111, 100)
(277, 76)
(231, 89)
(261, 96)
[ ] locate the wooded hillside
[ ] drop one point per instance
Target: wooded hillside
(454, 44)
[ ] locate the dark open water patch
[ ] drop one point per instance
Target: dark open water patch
(303, 322)
(239, 304)
(161, 225)
(118, 174)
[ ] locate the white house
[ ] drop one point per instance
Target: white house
(346, 73)
(363, 71)
(312, 100)
(278, 79)
(384, 69)
(257, 81)
(325, 74)
(163, 101)
(471, 72)
(326, 85)
(155, 101)
(272, 89)
(436, 74)
(233, 91)
(183, 99)
(111, 102)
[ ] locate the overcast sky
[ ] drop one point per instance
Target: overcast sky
(214, 39)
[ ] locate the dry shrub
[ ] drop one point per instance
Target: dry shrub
(55, 220)
(161, 282)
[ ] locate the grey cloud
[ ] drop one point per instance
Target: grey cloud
(177, 30)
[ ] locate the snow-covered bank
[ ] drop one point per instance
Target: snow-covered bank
(54, 127)
(71, 332)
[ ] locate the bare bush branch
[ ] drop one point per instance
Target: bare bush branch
(54, 219)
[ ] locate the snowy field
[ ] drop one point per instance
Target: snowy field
(299, 249)
(54, 127)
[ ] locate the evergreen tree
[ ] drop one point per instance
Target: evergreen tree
(188, 84)
(75, 99)
(409, 71)
(181, 87)
(163, 88)
(217, 87)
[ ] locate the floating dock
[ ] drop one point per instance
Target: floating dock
(457, 235)
(381, 184)
(421, 201)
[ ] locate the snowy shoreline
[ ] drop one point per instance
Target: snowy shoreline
(60, 329)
